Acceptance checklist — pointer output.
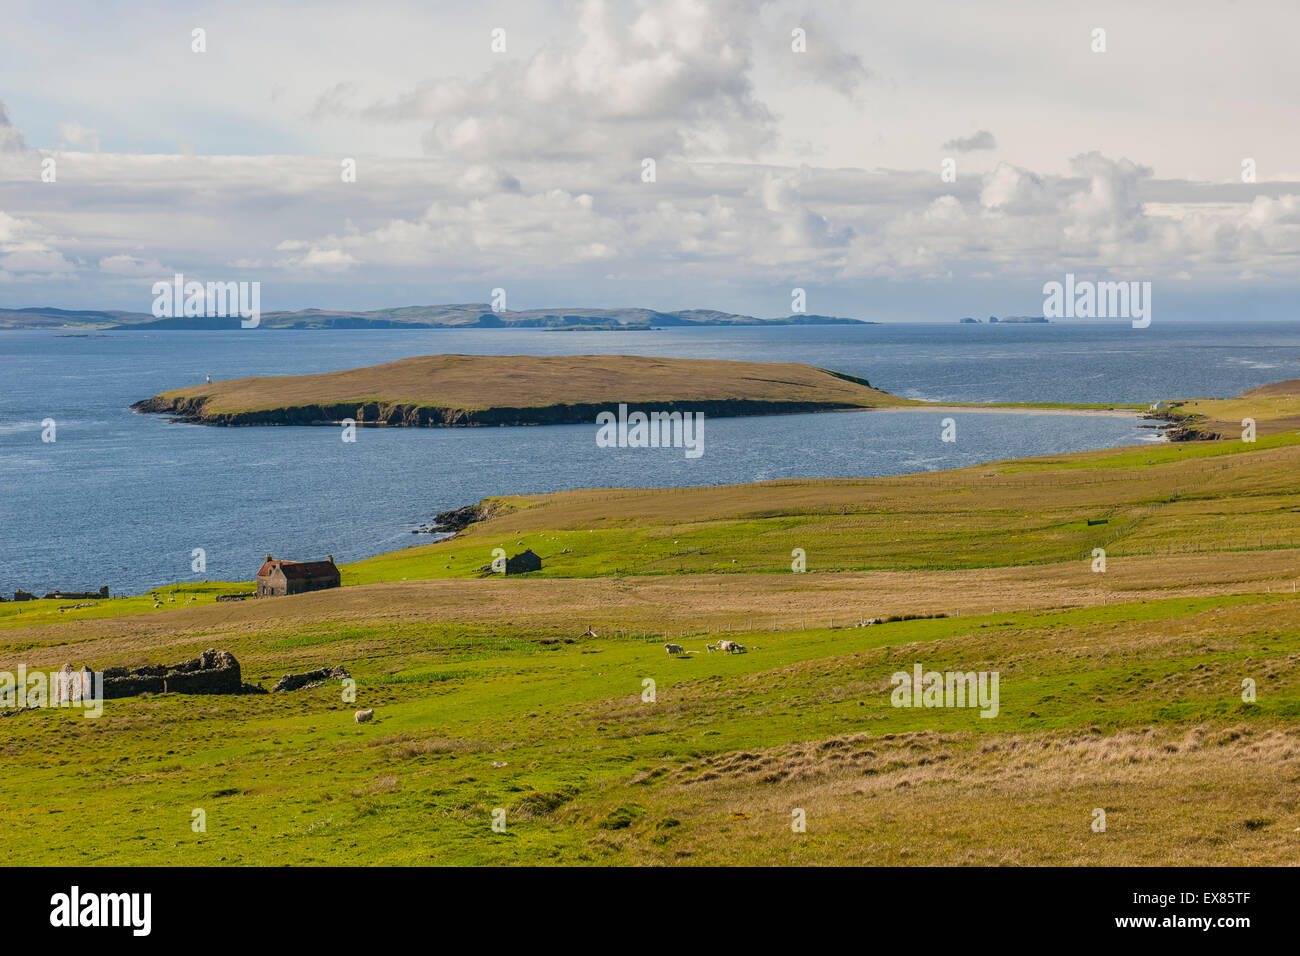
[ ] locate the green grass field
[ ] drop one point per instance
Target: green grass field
(1127, 704)
(1120, 691)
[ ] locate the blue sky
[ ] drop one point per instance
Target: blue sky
(775, 168)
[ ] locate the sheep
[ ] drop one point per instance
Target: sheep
(710, 647)
(726, 646)
(738, 648)
(362, 716)
(674, 649)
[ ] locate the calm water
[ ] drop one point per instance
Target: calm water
(121, 499)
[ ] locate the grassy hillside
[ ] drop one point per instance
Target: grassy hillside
(468, 389)
(1120, 690)
(72, 319)
(1132, 708)
(1154, 500)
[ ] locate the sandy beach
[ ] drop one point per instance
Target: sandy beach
(1017, 410)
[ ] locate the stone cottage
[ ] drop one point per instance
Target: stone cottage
(523, 562)
(277, 578)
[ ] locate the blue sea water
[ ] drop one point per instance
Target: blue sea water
(122, 499)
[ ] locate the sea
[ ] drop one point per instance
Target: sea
(124, 500)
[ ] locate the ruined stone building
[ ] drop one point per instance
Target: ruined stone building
(276, 578)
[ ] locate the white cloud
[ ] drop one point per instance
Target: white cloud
(330, 260)
(982, 139)
(79, 137)
(525, 167)
(11, 138)
(1109, 209)
(421, 220)
(43, 261)
(485, 180)
(123, 264)
(1012, 190)
(25, 247)
(498, 230)
(661, 78)
(825, 61)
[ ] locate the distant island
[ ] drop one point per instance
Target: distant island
(478, 315)
(465, 390)
(1009, 319)
(608, 327)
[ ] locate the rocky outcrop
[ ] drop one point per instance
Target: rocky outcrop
(1191, 433)
(1184, 426)
(310, 678)
(457, 519)
(212, 672)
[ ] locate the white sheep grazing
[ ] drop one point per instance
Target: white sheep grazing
(673, 649)
(727, 646)
(364, 715)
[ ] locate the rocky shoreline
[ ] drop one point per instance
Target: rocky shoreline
(192, 410)
(456, 520)
(1182, 425)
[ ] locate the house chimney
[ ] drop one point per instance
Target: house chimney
(330, 558)
(268, 557)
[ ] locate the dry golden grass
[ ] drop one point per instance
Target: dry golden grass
(1035, 487)
(1275, 408)
(1213, 795)
(474, 382)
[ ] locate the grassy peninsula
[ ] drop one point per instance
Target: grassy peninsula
(445, 390)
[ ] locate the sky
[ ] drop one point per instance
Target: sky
(916, 161)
